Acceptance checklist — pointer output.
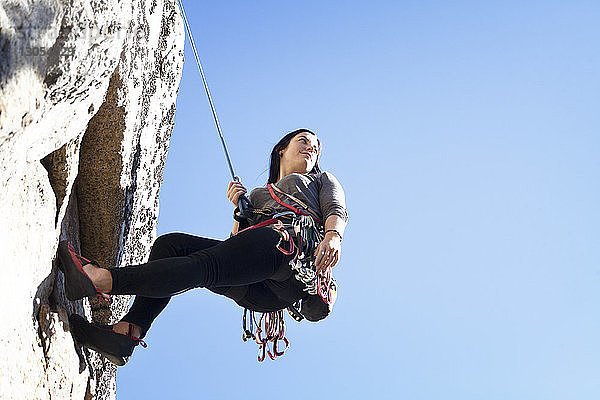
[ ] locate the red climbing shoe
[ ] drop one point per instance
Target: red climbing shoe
(101, 338)
(77, 283)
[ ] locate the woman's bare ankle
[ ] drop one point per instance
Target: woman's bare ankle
(122, 327)
(100, 277)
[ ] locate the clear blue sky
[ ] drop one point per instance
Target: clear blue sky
(466, 135)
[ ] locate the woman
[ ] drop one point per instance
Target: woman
(255, 267)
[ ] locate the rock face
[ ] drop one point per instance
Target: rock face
(87, 101)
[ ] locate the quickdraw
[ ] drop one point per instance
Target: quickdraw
(273, 326)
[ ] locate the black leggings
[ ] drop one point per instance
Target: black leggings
(246, 268)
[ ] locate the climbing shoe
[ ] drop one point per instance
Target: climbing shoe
(77, 283)
(101, 338)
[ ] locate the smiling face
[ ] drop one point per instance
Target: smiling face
(300, 155)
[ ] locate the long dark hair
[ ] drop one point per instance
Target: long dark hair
(281, 145)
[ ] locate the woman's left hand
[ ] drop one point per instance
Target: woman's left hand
(328, 252)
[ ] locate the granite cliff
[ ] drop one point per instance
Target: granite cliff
(87, 101)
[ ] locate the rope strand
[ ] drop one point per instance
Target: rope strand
(212, 107)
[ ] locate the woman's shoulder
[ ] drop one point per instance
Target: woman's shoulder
(326, 176)
(320, 178)
(258, 191)
(315, 176)
(297, 179)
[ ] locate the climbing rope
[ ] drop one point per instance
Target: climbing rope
(269, 330)
(244, 203)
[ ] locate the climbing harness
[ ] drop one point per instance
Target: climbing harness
(301, 245)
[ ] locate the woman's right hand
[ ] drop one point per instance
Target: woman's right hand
(234, 191)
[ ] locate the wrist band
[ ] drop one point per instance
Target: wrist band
(334, 230)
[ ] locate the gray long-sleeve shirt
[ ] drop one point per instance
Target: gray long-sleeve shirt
(321, 192)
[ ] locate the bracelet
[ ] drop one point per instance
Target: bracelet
(334, 230)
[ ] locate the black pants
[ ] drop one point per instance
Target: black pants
(246, 268)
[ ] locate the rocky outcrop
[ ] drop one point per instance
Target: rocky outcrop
(87, 101)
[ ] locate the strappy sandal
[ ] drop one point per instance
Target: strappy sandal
(101, 338)
(77, 283)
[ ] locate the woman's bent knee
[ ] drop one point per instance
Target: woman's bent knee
(177, 244)
(163, 246)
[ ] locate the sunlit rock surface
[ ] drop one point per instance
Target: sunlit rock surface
(87, 100)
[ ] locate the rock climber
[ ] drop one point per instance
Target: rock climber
(275, 259)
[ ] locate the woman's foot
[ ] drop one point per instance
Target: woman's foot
(104, 339)
(83, 277)
(124, 328)
(100, 277)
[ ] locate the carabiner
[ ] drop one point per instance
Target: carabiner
(287, 344)
(284, 251)
(272, 356)
(264, 353)
(284, 213)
